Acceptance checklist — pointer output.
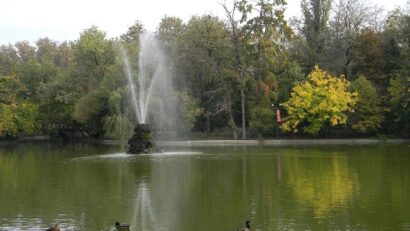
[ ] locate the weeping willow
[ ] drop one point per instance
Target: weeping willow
(116, 125)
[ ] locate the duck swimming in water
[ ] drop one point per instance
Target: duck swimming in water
(54, 228)
(121, 227)
(247, 226)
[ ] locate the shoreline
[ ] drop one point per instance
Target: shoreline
(281, 142)
(228, 142)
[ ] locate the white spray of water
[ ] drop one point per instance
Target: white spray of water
(151, 67)
(153, 97)
(131, 84)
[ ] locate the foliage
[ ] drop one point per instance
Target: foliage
(221, 67)
(369, 57)
(399, 102)
(265, 32)
(189, 109)
(315, 22)
(320, 101)
(17, 116)
(89, 106)
(314, 29)
(262, 117)
(367, 116)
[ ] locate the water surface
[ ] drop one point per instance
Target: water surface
(89, 187)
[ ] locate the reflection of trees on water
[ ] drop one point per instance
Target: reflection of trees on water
(278, 189)
(325, 183)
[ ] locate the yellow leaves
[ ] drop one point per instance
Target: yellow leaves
(17, 118)
(320, 100)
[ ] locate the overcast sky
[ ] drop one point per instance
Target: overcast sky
(63, 20)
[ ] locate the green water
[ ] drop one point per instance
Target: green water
(88, 187)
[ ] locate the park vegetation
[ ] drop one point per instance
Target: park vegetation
(340, 69)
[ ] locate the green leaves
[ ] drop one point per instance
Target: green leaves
(368, 114)
(399, 102)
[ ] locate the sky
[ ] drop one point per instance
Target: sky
(62, 20)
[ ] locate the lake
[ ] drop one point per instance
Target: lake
(90, 187)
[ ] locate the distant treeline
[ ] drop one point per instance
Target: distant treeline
(340, 68)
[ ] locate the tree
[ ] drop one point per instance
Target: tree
(8, 59)
(133, 33)
(315, 22)
(320, 101)
(237, 43)
(116, 125)
(266, 34)
(17, 116)
(205, 48)
(351, 16)
(367, 116)
(93, 54)
(170, 28)
(399, 103)
(91, 77)
(315, 17)
(369, 58)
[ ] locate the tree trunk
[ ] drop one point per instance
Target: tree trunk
(231, 119)
(208, 123)
(235, 42)
(243, 108)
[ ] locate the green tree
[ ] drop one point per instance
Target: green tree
(369, 58)
(368, 114)
(90, 78)
(8, 59)
(205, 47)
(320, 101)
(237, 43)
(315, 18)
(399, 103)
(315, 22)
(133, 33)
(349, 18)
(93, 54)
(116, 124)
(266, 33)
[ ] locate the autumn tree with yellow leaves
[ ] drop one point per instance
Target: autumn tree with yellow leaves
(17, 116)
(321, 101)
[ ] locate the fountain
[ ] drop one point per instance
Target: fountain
(140, 141)
(152, 77)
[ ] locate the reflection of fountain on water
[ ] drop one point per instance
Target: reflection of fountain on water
(143, 217)
(22, 222)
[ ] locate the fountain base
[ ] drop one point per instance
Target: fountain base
(140, 141)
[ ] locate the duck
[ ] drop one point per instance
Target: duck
(247, 226)
(121, 227)
(54, 228)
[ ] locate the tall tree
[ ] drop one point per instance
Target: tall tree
(206, 49)
(350, 17)
(94, 57)
(315, 16)
(399, 103)
(133, 33)
(369, 57)
(266, 32)
(237, 43)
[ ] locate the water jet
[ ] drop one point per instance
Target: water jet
(150, 90)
